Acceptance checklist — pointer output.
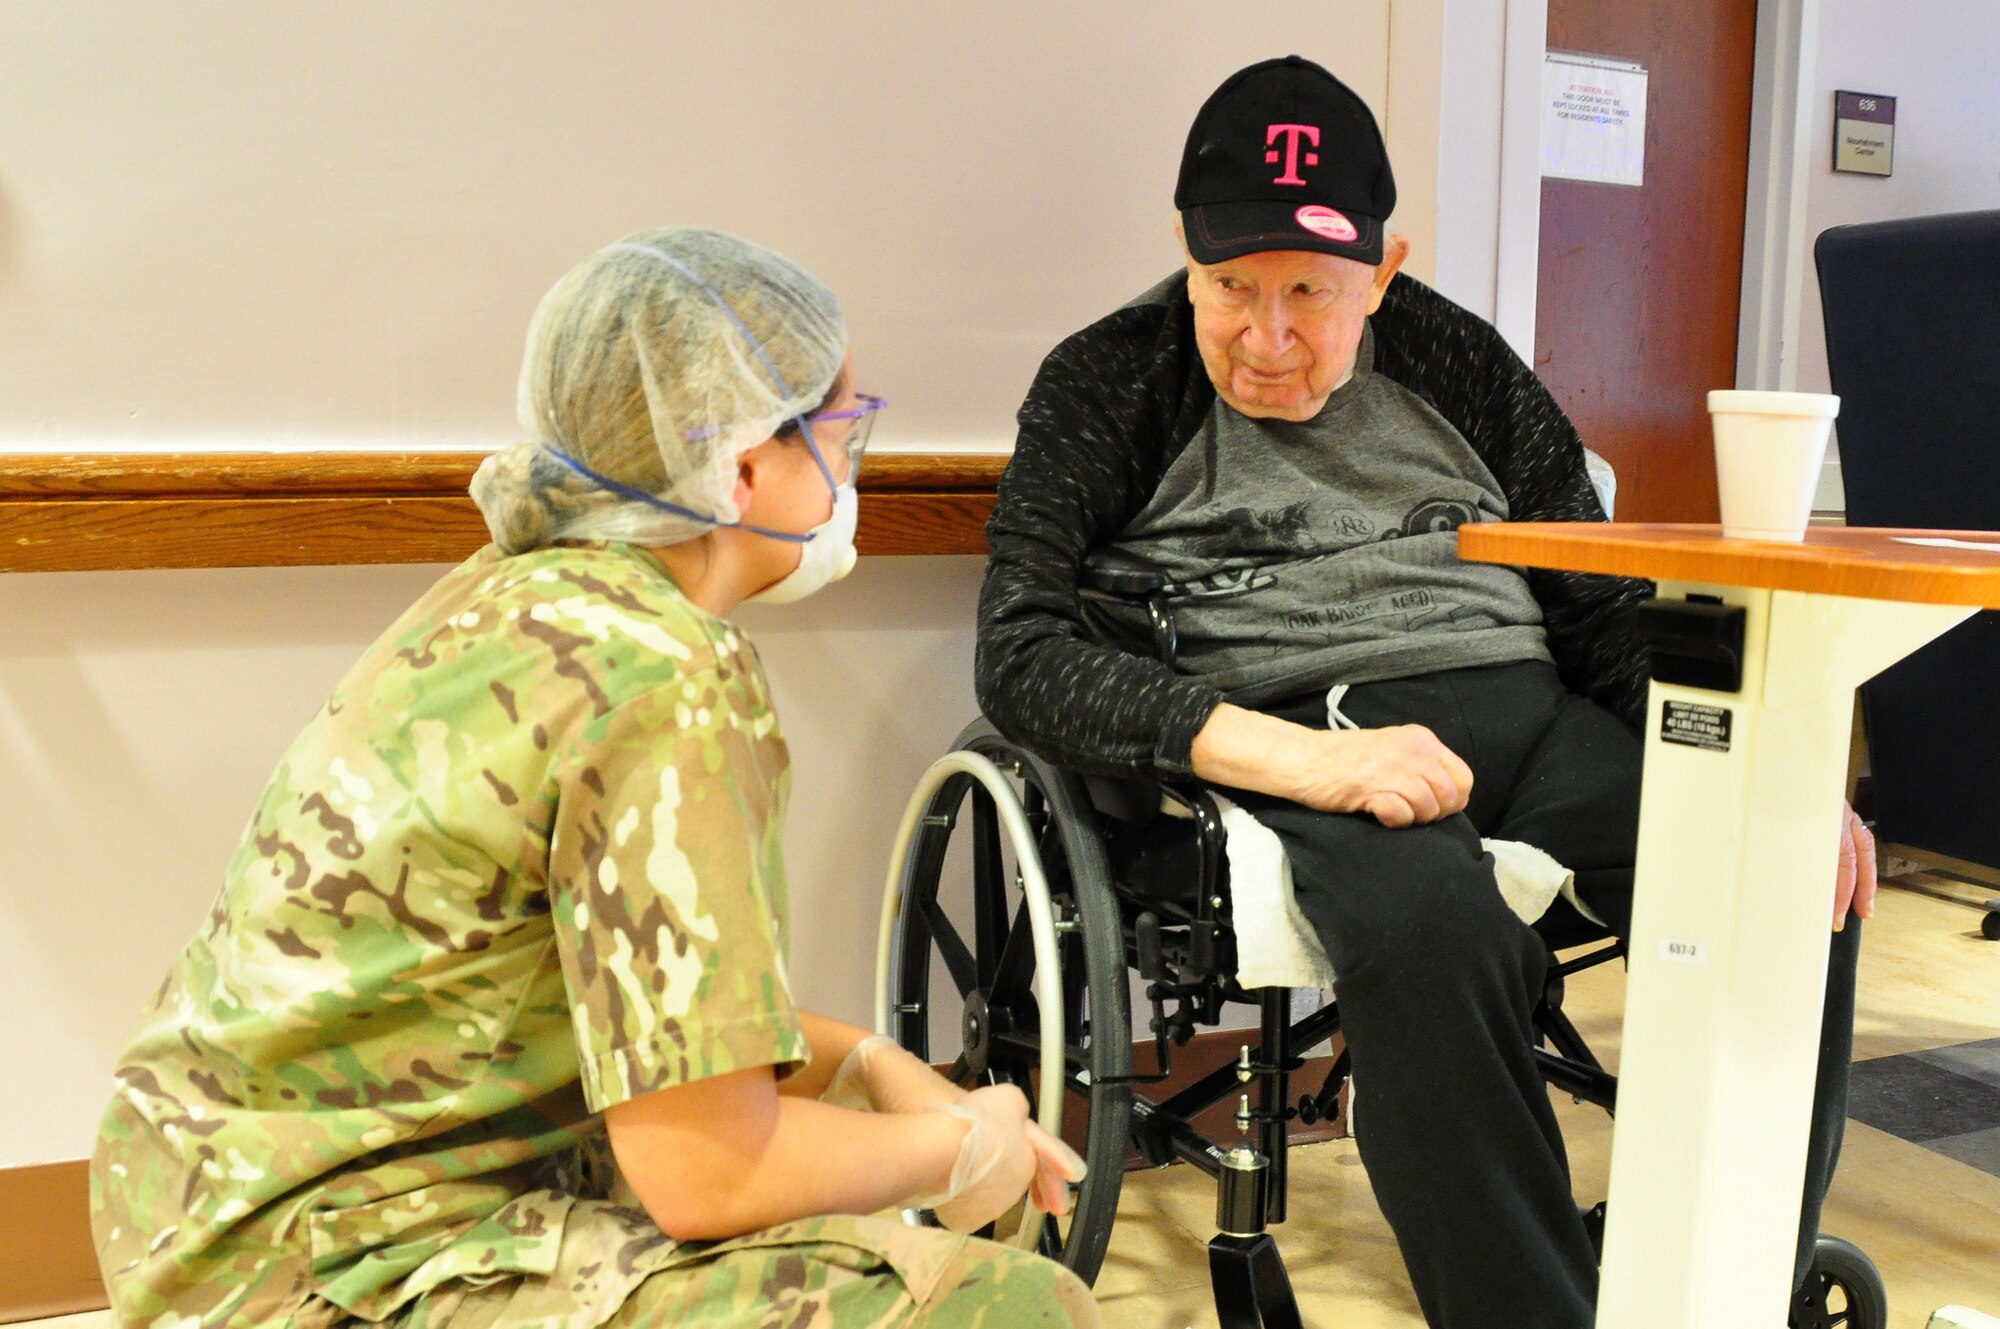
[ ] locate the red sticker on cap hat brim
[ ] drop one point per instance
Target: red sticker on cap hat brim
(1325, 222)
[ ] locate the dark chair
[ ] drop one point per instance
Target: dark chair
(1024, 899)
(1913, 348)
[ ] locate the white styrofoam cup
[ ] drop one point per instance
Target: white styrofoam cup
(1768, 450)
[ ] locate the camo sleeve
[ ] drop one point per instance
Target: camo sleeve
(666, 882)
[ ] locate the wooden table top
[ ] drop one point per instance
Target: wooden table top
(1868, 563)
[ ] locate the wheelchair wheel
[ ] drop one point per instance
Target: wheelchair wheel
(1001, 953)
(1842, 1289)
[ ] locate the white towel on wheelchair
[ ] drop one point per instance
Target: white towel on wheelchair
(1277, 948)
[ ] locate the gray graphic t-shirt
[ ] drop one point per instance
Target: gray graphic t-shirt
(1326, 551)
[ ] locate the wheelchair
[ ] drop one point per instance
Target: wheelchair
(1023, 900)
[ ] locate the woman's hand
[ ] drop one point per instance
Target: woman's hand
(1057, 1167)
(995, 1162)
(885, 1077)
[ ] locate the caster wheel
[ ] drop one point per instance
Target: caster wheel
(1842, 1290)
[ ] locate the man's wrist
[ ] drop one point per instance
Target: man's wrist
(1246, 749)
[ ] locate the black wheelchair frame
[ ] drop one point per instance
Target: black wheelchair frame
(1182, 946)
(1133, 877)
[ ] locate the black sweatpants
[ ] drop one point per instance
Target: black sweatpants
(1438, 980)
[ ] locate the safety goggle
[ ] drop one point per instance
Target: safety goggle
(863, 416)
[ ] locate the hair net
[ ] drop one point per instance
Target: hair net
(655, 363)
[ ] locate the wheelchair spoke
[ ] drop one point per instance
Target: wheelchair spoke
(951, 948)
(1021, 1049)
(1036, 805)
(1025, 1050)
(989, 887)
(1017, 957)
(1050, 1243)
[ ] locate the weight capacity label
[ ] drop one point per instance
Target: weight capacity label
(1696, 726)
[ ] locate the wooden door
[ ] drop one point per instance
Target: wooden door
(1639, 287)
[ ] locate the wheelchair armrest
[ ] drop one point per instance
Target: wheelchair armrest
(1118, 573)
(1134, 801)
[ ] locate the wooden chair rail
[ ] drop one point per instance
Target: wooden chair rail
(97, 512)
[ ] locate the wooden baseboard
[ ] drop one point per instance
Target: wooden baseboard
(48, 1265)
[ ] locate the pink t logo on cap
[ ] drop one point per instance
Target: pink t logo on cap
(1326, 222)
(1292, 134)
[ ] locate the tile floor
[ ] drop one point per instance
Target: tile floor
(1918, 1189)
(1946, 1099)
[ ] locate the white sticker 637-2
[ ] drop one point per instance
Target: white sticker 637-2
(1684, 952)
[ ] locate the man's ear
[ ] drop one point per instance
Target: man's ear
(1180, 238)
(1395, 248)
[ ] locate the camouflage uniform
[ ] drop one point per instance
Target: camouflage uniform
(524, 864)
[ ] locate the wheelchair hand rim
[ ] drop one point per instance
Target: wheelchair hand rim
(1041, 927)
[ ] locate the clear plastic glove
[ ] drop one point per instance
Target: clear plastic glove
(849, 1086)
(882, 1076)
(995, 1162)
(1057, 1167)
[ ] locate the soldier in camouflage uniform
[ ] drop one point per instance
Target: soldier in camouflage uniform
(524, 866)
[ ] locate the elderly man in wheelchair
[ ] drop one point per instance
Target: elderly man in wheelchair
(1224, 597)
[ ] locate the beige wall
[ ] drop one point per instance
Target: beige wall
(1936, 57)
(324, 225)
(141, 714)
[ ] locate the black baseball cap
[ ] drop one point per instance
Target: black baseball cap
(1284, 156)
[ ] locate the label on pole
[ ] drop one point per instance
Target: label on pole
(1694, 725)
(1684, 952)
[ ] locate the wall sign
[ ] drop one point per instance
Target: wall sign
(1864, 132)
(1593, 119)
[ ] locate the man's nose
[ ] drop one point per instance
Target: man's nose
(1270, 334)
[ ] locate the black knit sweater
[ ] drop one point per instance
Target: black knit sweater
(1111, 408)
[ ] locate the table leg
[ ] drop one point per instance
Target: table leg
(1738, 836)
